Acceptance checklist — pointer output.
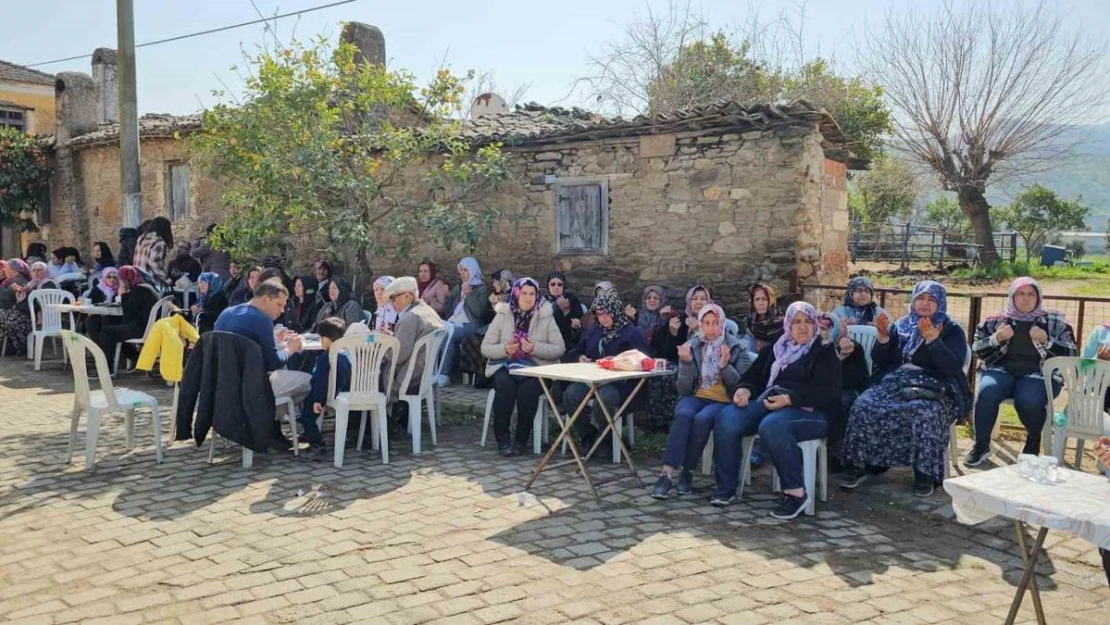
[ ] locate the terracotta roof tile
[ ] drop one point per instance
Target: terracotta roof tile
(17, 73)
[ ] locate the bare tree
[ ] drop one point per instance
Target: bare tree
(983, 93)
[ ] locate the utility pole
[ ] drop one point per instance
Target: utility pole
(128, 116)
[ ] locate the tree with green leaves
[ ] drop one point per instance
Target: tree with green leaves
(945, 213)
(1038, 213)
(24, 178)
(350, 158)
(886, 191)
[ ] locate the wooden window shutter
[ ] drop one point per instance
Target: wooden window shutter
(582, 217)
(179, 191)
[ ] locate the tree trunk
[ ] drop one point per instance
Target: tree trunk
(977, 209)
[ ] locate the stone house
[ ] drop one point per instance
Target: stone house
(722, 194)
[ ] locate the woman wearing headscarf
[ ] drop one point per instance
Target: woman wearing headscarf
(102, 257)
(470, 313)
(604, 287)
(566, 308)
(785, 397)
(339, 303)
(303, 304)
(385, 315)
(523, 334)
(432, 289)
(653, 308)
(611, 334)
(183, 268)
(105, 292)
(501, 286)
(137, 303)
(764, 321)
(15, 321)
(212, 301)
(854, 379)
(16, 273)
(709, 370)
(920, 390)
(680, 328)
(859, 307)
(152, 247)
(1011, 347)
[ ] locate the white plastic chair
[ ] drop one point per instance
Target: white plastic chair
(815, 470)
(866, 336)
(540, 428)
(952, 453)
(366, 353)
(108, 400)
(42, 302)
(189, 295)
(160, 310)
(429, 345)
(1086, 380)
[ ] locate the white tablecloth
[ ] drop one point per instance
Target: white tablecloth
(585, 372)
(1080, 505)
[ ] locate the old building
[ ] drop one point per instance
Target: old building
(26, 99)
(723, 194)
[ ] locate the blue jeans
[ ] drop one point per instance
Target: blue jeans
(779, 431)
(693, 421)
(462, 332)
(307, 419)
(1030, 401)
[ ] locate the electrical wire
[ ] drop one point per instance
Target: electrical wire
(204, 32)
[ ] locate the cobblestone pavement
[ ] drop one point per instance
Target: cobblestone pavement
(446, 537)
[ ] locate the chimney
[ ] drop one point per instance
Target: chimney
(75, 106)
(368, 39)
(105, 72)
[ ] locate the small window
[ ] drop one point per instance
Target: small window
(582, 216)
(178, 185)
(13, 118)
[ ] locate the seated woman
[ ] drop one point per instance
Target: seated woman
(339, 303)
(854, 379)
(183, 270)
(470, 314)
(653, 313)
(523, 334)
(155, 240)
(566, 308)
(105, 292)
(1011, 347)
(785, 397)
(611, 334)
(36, 252)
(137, 303)
(245, 291)
(15, 273)
(323, 272)
(918, 391)
(859, 307)
(680, 328)
(61, 263)
(102, 257)
(709, 370)
(385, 316)
(432, 289)
(15, 321)
(212, 301)
(763, 325)
(501, 284)
(303, 304)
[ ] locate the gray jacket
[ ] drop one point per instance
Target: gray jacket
(413, 324)
(477, 307)
(739, 359)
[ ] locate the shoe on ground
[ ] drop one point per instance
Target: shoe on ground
(442, 380)
(721, 499)
(314, 453)
(923, 485)
(663, 486)
(520, 449)
(977, 456)
(505, 451)
(685, 484)
(790, 506)
(853, 477)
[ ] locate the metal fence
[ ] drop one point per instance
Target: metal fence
(908, 243)
(969, 309)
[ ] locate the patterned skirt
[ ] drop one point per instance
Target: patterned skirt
(662, 397)
(15, 325)
(888, 431)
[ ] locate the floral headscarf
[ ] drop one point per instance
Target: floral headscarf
(40, 273)
(474, 269)
(102, 284)
(215, 285)
(649, 319)
(19, 266)
(1012, 311)
(690, 298)
(606, 287)
(765, 327)
(523, 318)
(786, 351)
(828, 325)
(612, 304)
(130, 275)
(908, 333)
(863, 314)
(711, 362)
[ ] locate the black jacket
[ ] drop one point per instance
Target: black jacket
(214, 304)
(819, 370)
(228, 367)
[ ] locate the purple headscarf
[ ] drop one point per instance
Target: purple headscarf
(906, 327)
(523, 318)
(786, 351)
(102, 284)
(690, 297)
(1012, 311)
(711, 361)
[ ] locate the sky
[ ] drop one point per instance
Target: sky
(545, 45)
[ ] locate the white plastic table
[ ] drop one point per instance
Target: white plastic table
(593, 376)
(1080, 505)
(90, 309)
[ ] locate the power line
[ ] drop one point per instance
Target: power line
(204, 32)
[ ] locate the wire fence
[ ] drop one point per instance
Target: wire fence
(909, 243)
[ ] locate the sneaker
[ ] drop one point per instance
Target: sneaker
(663, 485)
(977, 456)
(720, 500)
(790, 506)
(853, 477)
(314, 453)
(442, 380)
(685, 484)
(923, 485)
